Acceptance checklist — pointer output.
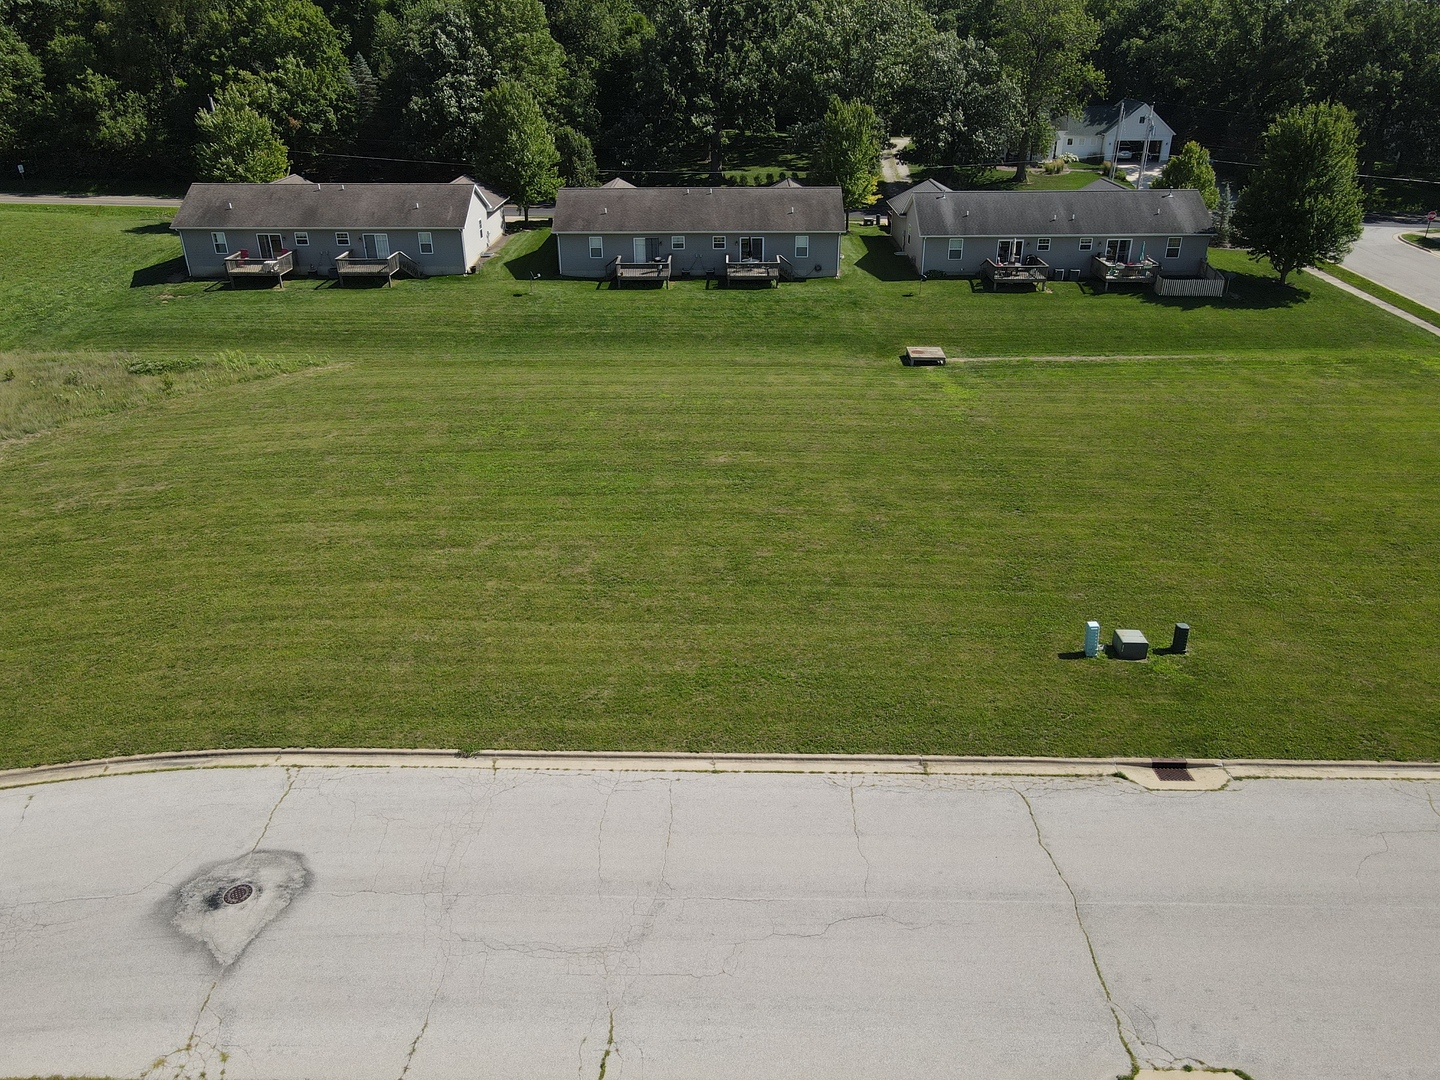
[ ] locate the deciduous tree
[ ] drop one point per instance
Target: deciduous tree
(848, 152)
(236, 144)
(959, 105)
(516, 152)
(1046, 49)
(1190, 168)
(1304, 204)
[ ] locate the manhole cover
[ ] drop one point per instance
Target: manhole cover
(238, 894)
(1176, 771)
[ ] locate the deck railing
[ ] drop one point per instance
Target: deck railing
(1032, 271)
(1113, 272)
(657, 269)
(242, 264)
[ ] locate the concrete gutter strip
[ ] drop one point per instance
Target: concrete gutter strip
(1209, 773)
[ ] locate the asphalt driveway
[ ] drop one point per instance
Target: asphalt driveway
(388, 922)
(1383, 258)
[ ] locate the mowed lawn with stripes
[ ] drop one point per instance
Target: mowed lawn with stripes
(504, 512)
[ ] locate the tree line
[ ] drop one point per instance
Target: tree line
(527, 93)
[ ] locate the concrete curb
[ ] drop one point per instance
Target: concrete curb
(1209, 774)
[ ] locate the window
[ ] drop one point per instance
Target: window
(597, 247)
(1086, 243)
(427, 244)
(1172, 248)
(302, 239)
(1117, 250)
(717, 242)
(342, 239)
(678, 243)
(957, 247)
(1042, 244)
(218, 239)
(802, 247)
(1069, 142)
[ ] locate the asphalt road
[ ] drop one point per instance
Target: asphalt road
(1382, 258)
(389, 922)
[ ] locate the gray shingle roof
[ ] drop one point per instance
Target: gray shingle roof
(1098, 119)
(900, 204)
(1087, 212)
(618, 182)
(699, 209)
(291, 205)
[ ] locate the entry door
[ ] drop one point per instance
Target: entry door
(270, 245)
(1117, 251)
(1009, 251)
(752, 247)
(377, 245)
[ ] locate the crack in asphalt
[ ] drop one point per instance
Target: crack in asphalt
(291, 775)
(859, 847)
(1084, 931)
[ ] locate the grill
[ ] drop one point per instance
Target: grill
(1178, 771)
(238, 894)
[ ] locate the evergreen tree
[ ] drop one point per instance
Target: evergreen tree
(1190, 168)
(237, 144)
(516, 154)
(1304, 205)
(1224, 214)
(848, 153)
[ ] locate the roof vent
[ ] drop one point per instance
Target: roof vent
(1072, 217)
(417, 206)
(710, 191)
(604, 209)
(1168, 195)
(317, 186)
(342, 187)
(1054, 217)
(229, 206)
(967, 213)
(792, 209)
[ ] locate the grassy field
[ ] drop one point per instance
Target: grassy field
(1390, 296)
(505, 515)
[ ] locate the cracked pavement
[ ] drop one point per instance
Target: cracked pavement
(601, 924)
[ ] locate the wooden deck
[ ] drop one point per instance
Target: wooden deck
(652, 272)
(1032, 272)
(242, 267)
(1141, 272)
(750, 271)
(348, 266)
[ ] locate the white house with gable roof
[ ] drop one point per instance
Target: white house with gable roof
(1116, 132)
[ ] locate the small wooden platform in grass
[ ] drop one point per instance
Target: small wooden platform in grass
(923, 355)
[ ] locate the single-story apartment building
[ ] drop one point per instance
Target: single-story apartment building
(697, 227)
(1127, 128)
(443, 228)
(955, 232)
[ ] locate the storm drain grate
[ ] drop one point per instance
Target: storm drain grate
(1175, 771)
(238, 894)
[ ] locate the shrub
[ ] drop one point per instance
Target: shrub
(9, 375)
